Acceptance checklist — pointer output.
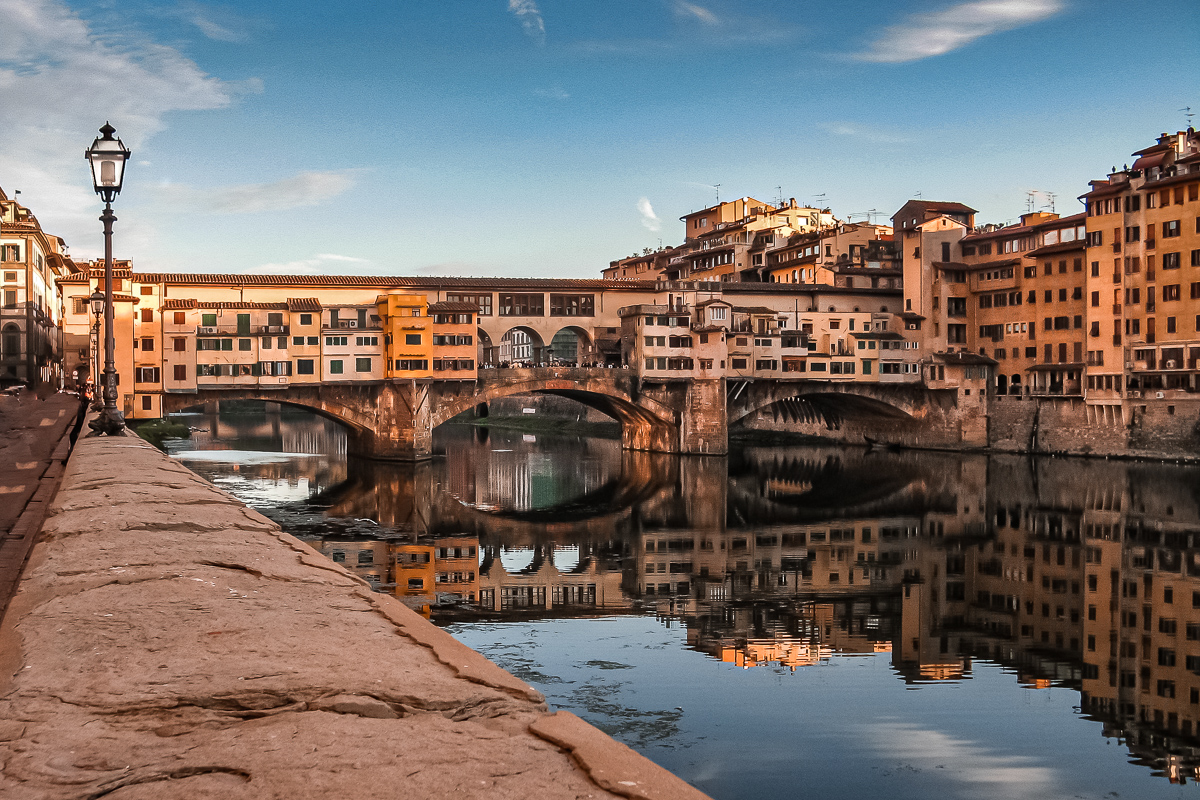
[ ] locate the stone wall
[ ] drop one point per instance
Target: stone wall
(168, 642)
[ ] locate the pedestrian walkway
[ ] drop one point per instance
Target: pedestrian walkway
(34, 445)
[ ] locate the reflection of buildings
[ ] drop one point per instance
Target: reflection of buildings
(1068, 573)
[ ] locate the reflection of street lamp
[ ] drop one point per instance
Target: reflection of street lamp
(97, 302)
(108, 156)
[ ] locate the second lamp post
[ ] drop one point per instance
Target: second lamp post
(108, 155)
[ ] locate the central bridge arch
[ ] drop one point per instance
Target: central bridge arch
(646, 424)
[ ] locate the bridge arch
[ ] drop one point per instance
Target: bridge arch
(350, 415)
(646, 424)
(827, 403)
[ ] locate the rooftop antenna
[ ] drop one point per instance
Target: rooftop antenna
(1187, 112)
(1030, 200)
(919, 195)
(717, 186)
(779, 196)
(872, 214)
(820, 197)
(1051, 196)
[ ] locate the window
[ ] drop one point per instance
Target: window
(306, 319)
(147, 402)
(522, 305)
(1170, 229)
(10, 298)
(180, 372)
(1170, 261)
(412, 338)
(208, 320)
(362, 364)
(716, 313)
(10, 252)
(146, 375)
(1170, 292)
(371, 341)
(147, 345)
(298, 341)
(266, 343)
(572, 305)
(147, 315)
(313, 341)
(179, 344)
(484, 301)
(244, 345)
(335, 367)
(739, 363)
(338, 341)
(412, 364)
(304, 366)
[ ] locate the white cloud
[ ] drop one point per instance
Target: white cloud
(863, 133)
(694, 11)
(553, 93)
(531, 18)
(304, 189)
(59, 82)
(986, 774)
(319, 264)
(935, 33)
(650, 220)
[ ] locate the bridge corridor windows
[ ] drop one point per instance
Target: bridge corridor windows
(572, 305)
(522, 305)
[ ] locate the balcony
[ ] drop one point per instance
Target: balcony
(341, 325)
(282, 330)
(218, 330)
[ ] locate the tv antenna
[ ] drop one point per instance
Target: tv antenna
(717, 187)
(779, 196)
(919, 195)
(1187, 112)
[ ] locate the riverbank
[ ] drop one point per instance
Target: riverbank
(167, 641)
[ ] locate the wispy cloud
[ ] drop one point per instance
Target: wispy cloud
(304, 189)
(650, 220)
(216, 22)
(530, 17)
(553, 93)
(939, 32)
(862, 133)
(47, 51)
(319, 264)
(693, 11)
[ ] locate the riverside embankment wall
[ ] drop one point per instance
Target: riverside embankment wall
(1150, 429)
(168, 642)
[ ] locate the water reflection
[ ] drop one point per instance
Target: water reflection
(1070, 574)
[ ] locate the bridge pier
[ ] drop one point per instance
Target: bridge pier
(403, 425)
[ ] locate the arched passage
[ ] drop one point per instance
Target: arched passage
(571, 346)
(522, 345)
(487, 355)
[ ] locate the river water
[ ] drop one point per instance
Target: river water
(788, 621)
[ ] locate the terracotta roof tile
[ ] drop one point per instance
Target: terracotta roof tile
(303, 304)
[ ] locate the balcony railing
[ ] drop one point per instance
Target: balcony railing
(279, 329)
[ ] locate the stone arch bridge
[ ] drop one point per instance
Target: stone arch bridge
(394, 420)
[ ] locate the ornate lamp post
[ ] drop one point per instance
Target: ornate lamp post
(107, 156)
(97, 302)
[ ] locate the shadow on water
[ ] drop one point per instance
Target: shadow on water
(948, 569)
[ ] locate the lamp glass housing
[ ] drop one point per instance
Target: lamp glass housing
(107, 156)
(97, 301)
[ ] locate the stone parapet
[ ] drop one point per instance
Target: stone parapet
(168, 642)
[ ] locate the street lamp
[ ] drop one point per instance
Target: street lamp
(107, 156)
(97, 303)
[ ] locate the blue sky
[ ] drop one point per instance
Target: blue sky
(548, 137)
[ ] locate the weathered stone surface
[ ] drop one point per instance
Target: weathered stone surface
(168, 642)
